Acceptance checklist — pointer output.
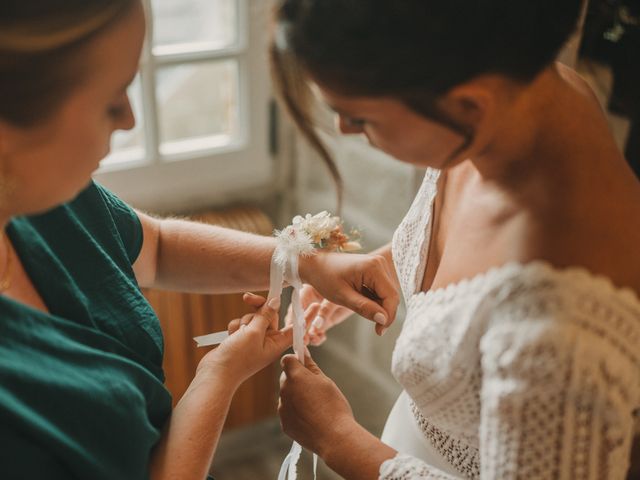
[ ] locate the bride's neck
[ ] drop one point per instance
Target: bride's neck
(555, 131)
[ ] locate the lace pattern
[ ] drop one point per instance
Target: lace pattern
(524, 371)
(413, 232)
(404, 467)
(461, 456)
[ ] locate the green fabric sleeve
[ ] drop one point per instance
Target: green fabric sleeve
(127, 222)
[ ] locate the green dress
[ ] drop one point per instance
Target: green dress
(81, 388)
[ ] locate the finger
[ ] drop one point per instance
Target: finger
(318, 339)
(260, 322)
(311, 313)
(288, 319)
(291, 366)
(233, 326)
(322, 320)
(246, 319)
(365, 307)
(311, 365)
(379, 281)
(272, 314)
(253, 300)
(280, 340)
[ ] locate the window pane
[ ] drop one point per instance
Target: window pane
(206, 23)
(197, 101)
(129, 145)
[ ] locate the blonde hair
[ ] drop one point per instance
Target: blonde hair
(39, 43)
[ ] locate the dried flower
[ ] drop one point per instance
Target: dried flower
(323, 231)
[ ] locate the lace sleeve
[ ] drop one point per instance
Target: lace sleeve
(557, 397)
(405, 467)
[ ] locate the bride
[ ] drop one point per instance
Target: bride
(518, 260)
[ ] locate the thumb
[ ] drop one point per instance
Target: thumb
(291, 366)
(271, 314)
(311, 365)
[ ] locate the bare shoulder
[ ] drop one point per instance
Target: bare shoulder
(574, 79)
(604, 243)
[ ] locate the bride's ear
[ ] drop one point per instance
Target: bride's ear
(470, 104)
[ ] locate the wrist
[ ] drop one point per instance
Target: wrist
(343, 436)
(357, 453)
(307, 264)
(218, 377)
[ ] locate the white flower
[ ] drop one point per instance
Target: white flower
(319, 226)
(293, 241)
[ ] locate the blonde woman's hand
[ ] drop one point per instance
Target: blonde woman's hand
(319, 314)
(253, 345)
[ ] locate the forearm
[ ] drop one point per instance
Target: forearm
(203, 258)
(189, 440)
(356, 454)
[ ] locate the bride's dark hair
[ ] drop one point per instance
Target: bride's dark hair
(411, 50)
(40, 43)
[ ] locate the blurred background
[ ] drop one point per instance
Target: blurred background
(212, 144)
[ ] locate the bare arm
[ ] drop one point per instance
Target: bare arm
(193, 257)
(191, 435)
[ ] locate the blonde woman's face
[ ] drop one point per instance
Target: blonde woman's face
(51, 163)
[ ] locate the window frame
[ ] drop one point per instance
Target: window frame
(203, 174)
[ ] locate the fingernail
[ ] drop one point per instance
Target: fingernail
(306, 350)
(318, 322)
(380, 318)
(383, 331)
(274, 304)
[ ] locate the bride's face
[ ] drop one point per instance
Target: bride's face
(392, 127)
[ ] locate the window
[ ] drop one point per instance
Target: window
(201, 101)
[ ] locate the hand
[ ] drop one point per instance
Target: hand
(313, 411)
(256, 302)
(253, 346)
(361, 283)
(320, 314)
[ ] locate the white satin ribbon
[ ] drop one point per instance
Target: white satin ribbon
(284, 264)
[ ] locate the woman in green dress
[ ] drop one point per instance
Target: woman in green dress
(81, 383)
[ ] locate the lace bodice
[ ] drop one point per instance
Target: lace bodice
(524, 371)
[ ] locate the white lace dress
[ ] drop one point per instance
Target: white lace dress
(525, 371)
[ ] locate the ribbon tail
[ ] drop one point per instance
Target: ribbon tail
(315, 466)
(298, 314)
(289, 469)
(211, 339)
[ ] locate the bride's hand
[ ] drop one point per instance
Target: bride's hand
(361, 283)
(313, 411)
(320, 314)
